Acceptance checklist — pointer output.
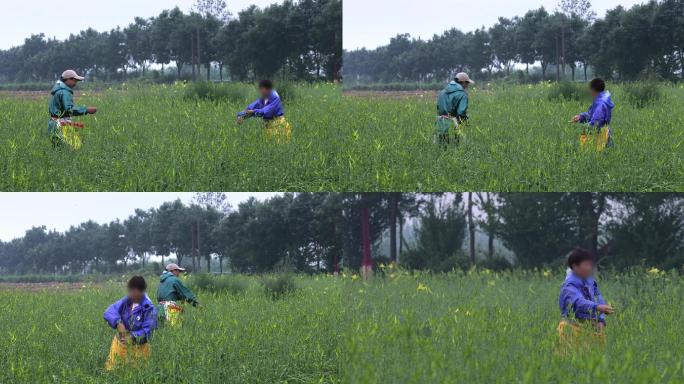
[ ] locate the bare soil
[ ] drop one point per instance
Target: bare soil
(41, 287)
(396, 95)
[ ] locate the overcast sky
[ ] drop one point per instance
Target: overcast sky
(370, 23)
(20, 19)
(21, 211)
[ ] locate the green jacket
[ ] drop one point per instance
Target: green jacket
(62, 102)
(172, 288)
(453, 101)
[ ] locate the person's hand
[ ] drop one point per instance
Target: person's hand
(605, 309)
(576, 119)
(240, 120)
(250, 113)
(92, 110)
(121, 328)
(601, 325)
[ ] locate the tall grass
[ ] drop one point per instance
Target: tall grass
(403, 328)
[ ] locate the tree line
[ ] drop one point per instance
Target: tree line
(300, 40)
(317, 232)
(644, 41)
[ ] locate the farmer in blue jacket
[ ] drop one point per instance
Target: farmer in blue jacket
(599, 115)
(62, 108)
(580, 298)
(270, 108)
(134, 318)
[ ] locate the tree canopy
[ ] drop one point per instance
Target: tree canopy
(300, 40)
(608, 46)
(314, 232)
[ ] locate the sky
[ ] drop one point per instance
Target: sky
(21, 211)
(370, 24)
(21, 19)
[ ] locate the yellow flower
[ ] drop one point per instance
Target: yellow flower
(424, 288)
(355, 277)
(654, 271)
(546, 273)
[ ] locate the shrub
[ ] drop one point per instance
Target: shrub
(233, 285)
(285, 89)
(279, 286)
(566, 91)
(643, 94)
(234, 92)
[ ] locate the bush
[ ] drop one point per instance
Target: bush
(233, 285)
(279, 286)
(286, 90)
(643, 94)
(566, 91)
(233, 93)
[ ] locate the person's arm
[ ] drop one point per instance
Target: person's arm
(69, 108)
(243, 114)
(462, 108)
(598, 117)
(573, 298)
(185, 293)
(268, 112)
(584, 117)
(148, 325)
(601, 301)
(113, 314)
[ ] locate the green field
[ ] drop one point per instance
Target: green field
(154, 139)
(482, 327)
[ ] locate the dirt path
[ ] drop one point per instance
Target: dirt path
(41, 95)
(41, 287)
(396, 95)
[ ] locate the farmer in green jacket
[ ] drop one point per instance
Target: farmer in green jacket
(452, 108)
(171, 292)
(60, 127)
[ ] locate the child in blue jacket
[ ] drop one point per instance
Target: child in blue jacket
(600, 113)
(134, 318)
(269, 107)
(580, 298)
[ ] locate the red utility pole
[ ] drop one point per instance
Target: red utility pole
(367, 264)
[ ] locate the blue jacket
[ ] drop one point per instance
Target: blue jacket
(600, 113)
(268, 109)
(140, 323)
(581, 297)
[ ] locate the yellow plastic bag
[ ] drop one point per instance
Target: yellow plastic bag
(173, 313)
(595, 140)
(121, 354)
(71, 135)
(578, 337)
(279, 130)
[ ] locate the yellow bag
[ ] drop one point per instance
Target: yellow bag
(279, 130)
(595, 140)
(121, 354)
(173, 313)
(71, 135)
(577, 337)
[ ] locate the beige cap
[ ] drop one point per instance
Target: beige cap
(173, 267)
(463, 78)
(71, 74)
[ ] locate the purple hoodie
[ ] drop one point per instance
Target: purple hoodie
(140, 323)
(600, 113)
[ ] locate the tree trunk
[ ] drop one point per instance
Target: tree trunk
(471, 227)
(584, 66)
(393, 211)
(590, 210)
